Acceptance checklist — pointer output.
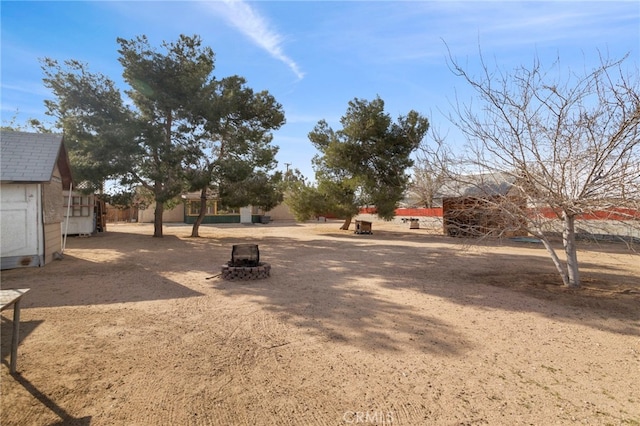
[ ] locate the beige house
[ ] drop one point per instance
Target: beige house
(187, 211)
(175, 214)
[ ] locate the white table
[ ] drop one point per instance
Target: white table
(8, 298)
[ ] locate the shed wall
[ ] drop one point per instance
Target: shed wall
(52, 199)
(82, 218)
(52, 240)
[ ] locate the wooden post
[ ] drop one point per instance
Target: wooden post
(15, 339)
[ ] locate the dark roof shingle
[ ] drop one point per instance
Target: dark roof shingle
(480, 185)
(28, 157)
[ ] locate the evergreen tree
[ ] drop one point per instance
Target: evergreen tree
(365, 162)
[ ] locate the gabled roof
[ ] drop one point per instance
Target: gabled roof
(32, 157)
(480, 185)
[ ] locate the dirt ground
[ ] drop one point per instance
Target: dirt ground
(401, 327)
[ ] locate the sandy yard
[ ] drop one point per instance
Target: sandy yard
(402, 327)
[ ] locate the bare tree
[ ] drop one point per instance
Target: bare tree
(570, 143)
(432, 165)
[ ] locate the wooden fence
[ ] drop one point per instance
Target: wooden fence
(121, 215)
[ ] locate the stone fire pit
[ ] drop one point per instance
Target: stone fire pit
(245, 264)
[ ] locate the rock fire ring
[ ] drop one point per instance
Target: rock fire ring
(246, 273)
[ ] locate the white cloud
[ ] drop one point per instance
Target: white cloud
(396, 32)
(253, 25)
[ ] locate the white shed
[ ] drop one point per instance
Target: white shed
(34, 170)
(79, 212)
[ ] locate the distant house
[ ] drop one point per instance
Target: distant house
(188, 210)
(34, 171)
(481, 205)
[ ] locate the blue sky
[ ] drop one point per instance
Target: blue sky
(314, 57)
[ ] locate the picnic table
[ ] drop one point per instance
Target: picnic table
(8, 298)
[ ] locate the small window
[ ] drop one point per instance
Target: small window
(80, 206)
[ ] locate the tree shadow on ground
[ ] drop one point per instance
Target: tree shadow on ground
(75, 281)
(438, 267)
(330, 298)
(321, 283)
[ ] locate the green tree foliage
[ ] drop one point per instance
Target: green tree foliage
(30, 125)
(164, 89)
(166, 141)
(120, 199)
(97, 126)
(365, 162)
(236, 154)
(303, 199)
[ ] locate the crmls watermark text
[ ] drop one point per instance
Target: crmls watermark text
(370, 417)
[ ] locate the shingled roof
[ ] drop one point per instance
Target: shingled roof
(480, 185)
(32, 157)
